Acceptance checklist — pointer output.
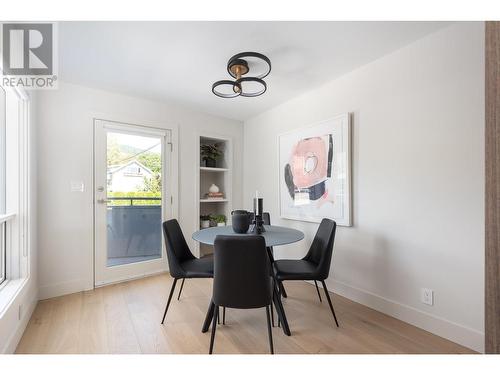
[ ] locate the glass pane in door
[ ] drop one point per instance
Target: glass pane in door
(134, 198)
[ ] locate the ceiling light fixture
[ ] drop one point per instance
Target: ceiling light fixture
(239, 65)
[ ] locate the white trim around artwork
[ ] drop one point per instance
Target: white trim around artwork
(347, 221)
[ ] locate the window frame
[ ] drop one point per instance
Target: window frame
(3, 252)
(3, 186)
(14, 219)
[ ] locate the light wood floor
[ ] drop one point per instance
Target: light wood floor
(125, 318)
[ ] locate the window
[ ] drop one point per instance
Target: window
(14, 182)
(3, 224)
(133, 169)
(3, 254)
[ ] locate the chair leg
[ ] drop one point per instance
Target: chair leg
(282, 289)
(218, 316)
(317, 290)
(169, 299)
(272, 315)
(330, 302)
(224, 315)
(277, 293)
(269, 330)
(214, 326)
(209, 317)
(180, 291)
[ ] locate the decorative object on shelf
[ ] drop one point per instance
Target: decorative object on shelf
(205, 221)
(210, 153)
(220, 220)
(315, 172)
(214, 193)
(214, 196)
(258, 208)
(214, 189)
(240, 64)
(240, 220)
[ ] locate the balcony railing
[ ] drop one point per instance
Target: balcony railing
(139, 201)
(133, 229)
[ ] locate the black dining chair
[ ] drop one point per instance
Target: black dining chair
(266, 218)
(241, 277)
(181, 261)
(315, 266)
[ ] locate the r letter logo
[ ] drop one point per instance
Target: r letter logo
(28, 55)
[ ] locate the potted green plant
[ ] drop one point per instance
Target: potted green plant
(205, 221)
(219, 219)
(210, 153)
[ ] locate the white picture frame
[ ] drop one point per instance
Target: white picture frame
(315, 172)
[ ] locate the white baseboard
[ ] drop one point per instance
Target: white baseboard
(13, 340)
(122, 279)
(67, 287)
(80, 285)
(452, 331)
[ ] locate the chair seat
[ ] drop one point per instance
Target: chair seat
(291, 269)
(198, 268)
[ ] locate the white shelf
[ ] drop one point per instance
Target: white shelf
(210, 169)
(221, 176)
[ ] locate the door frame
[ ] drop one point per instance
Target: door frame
(172, 186)
(492, 192)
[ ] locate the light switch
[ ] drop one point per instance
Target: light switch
(77, 186)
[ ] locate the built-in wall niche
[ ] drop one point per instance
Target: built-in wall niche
(213, 201)
(219, 145)
(208, 181)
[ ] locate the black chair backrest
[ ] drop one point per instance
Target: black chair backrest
(321, 249)
(177, 248)
(241, 272)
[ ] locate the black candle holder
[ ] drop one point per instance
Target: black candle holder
(257, 223)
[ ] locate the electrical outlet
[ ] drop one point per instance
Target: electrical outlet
(427, 296)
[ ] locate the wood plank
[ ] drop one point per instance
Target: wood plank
(125, 318)
(92, 334)
(34, 340)
(492, 139)
(64, 330)
(120, 333)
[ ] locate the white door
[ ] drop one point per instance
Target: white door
(132, 167)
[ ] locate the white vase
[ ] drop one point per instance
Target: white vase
(221, 224)
(205, 224)
(213, 189)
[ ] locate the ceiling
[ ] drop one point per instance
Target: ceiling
(179, 61)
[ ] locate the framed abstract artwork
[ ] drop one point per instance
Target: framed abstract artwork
(315, 172)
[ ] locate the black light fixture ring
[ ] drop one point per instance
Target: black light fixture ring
(234, 84)
(251, 79)
(242, 55)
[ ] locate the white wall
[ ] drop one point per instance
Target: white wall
(13, 323)
(65, 153)
(418, 180)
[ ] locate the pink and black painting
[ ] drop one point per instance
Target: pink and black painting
(315, 172)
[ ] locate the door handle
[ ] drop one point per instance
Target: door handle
(102, 201)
